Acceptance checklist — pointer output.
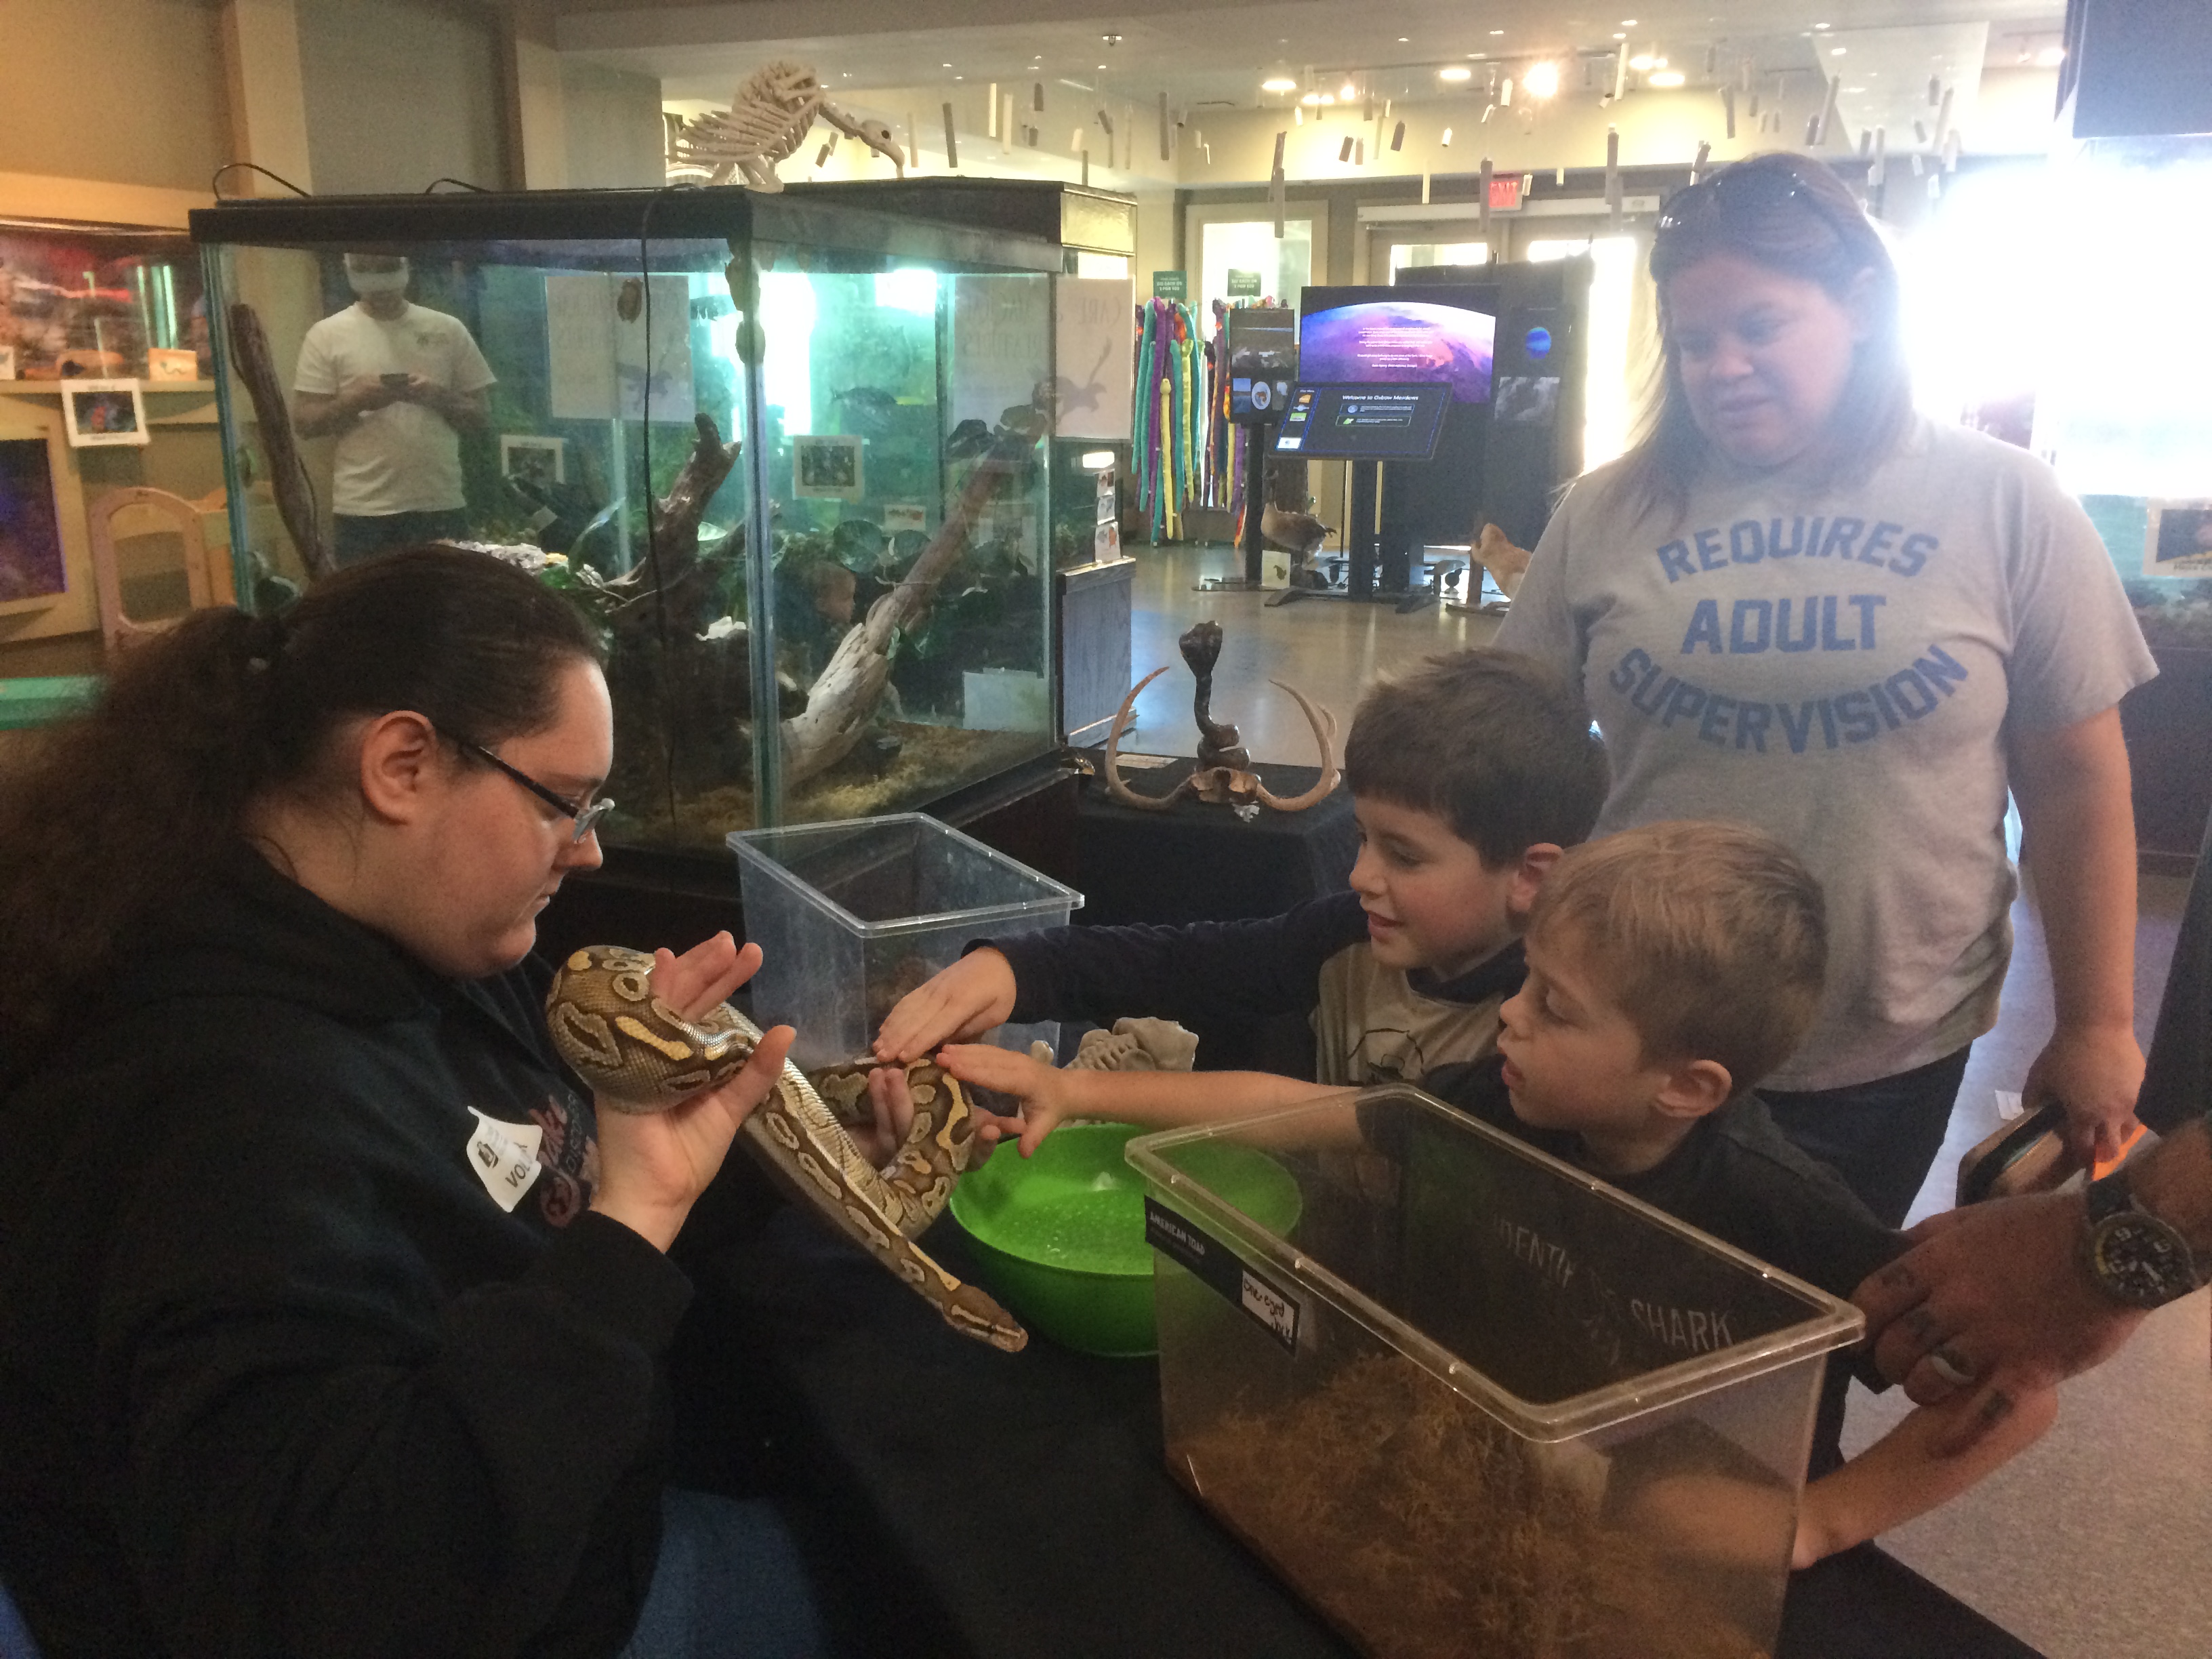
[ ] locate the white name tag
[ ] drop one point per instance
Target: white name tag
(505, 1157)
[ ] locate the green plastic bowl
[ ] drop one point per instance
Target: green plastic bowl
(1059, 1237)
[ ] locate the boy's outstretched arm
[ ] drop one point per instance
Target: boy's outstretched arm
(1903, 1475)
(1155, 1100)
(963, 1001)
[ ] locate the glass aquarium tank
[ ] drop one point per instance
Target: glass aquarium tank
(790, 452)
(93, 301)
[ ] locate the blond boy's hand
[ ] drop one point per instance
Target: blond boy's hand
(964, 1000)
(1042, 1091)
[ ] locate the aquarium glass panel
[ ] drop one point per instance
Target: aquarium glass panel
(628, 415)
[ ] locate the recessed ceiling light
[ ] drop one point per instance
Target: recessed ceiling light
(1497, 31)
(1838, 51)
(1819, 26)
(1279, 83)
(1667, 78)
(1628, 22)
(1453, 72)
(1617, 35)
(945, 66)
(1311, 99)
(1641, 62)
(1347, 91)
(1541, 81)
(1401, 40)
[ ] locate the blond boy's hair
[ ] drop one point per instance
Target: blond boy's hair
(1711, 939)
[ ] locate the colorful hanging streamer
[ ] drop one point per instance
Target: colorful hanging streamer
(1171, 395)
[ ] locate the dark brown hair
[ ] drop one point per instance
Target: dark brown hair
(106, 818)
(1710, 939)
(1496, 743)
(1792, 214)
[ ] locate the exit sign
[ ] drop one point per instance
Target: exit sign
(1505, 193)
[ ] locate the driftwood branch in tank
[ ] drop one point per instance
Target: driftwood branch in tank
(287, 472)
(844, 696)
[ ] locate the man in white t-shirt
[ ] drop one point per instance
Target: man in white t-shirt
(395, 383)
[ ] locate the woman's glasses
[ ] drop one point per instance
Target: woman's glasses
(586, 814)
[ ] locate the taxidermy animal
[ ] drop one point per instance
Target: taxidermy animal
(1298, 534)
(768, 120)
(639, 1054)
(1222, 777)
(1505, 562)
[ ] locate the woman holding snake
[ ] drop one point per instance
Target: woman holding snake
(332, 1318)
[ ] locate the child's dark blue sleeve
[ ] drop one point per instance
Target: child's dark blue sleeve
(1206, 973)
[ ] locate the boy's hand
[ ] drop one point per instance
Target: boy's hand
(1042, 1091)
(965, 1000)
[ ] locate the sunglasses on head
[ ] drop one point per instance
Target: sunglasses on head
(1741, 192)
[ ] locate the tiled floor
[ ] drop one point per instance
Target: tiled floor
(2092, 1544)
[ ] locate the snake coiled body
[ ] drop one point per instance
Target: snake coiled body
(639, 1054)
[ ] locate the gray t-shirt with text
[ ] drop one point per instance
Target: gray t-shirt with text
(1840, 666)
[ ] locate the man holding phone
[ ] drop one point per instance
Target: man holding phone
(396, 383)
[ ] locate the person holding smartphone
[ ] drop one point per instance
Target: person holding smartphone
(396, 384)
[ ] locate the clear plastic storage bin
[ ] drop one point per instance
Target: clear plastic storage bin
(1477, 1402)
(852, 915)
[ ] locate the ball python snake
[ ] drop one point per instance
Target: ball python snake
(639, 1054)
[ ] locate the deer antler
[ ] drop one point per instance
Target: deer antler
(1324, 730)
(1119, 790)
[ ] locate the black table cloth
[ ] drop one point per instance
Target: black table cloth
(1200, 863)
(960, 1501)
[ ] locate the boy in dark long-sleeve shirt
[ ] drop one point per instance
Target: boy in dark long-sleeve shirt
(1467, 777)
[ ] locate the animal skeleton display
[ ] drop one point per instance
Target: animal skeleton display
(1223, 776)
(768, 120)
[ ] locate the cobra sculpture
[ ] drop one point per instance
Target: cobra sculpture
(639, 1054)
(1223, 776)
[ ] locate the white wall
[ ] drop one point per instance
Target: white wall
(400, 92)
(614, 127)
(126, 91)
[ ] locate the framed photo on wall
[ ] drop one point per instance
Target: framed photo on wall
(2177, 540)
(98, 412)
(33, 570)
(826, 469)
(534, 459)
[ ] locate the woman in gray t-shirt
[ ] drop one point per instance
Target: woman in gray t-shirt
(1797, 603)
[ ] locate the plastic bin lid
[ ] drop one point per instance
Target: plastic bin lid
(1787, 1320)
(780, 853)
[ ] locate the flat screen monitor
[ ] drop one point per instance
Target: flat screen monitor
(1373, 422)
(1436, 332)
(1263, 362)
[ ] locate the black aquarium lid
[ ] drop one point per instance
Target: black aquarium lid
(904, 221)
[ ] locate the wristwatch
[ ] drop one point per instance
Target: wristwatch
(2134, 1257)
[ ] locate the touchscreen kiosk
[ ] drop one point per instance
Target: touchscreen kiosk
(1374, 422)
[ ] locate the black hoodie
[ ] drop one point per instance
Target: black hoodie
(277, 1373)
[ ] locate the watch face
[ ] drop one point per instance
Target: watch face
(2141, 1260)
